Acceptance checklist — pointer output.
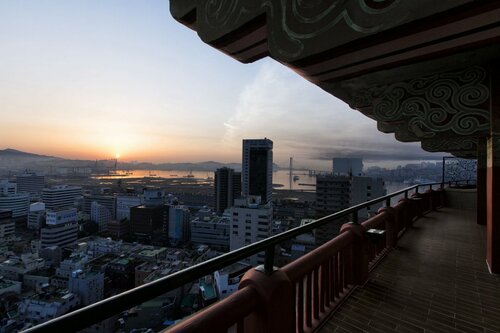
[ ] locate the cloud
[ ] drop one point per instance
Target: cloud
(308, 123)
(230, 126)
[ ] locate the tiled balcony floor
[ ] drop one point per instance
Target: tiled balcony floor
(435, 281)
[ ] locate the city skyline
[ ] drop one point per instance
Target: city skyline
(92, 80)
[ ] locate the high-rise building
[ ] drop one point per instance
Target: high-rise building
(31, 183)
(257, 168)
(101, 215)
(146, 222)
(7, 225)
(60, 196)
(335, 193)
(348, 166)
(123, 205)
(227, 186)
(107, 201)
(364, 189)
(178, 224)
(251, 221)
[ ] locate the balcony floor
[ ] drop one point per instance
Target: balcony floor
(436, 280)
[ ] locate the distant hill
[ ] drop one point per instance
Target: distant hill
(9, 152)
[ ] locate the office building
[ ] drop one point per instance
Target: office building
(178, 224)
(123, 205)
(107, 201)
(61, 196)
(148, 221)
(227, 187)
(31, 183)
(7, 225)
(7, 188)
(153, 197)
(101, 215)
(251, 221)
(18, 203)
(36, 216)
(213, 232)
(61, 216)
(119, 228)
(61, 234)
(257, 169)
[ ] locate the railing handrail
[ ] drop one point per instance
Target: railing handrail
(95, 313)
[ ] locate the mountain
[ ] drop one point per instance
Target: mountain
(9, 152)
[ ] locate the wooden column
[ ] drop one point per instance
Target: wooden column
(493, 176)
(481, 181)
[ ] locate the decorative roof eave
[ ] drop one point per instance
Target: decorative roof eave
(358, 52)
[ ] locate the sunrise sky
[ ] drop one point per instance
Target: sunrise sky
(93, 78)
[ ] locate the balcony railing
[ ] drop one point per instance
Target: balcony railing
(294, 298)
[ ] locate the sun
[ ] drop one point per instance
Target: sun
(117, 155)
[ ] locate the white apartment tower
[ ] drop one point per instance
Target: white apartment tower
(257, 168)
(251, 221)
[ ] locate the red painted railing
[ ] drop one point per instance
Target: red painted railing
(320, 280)
(299, 296)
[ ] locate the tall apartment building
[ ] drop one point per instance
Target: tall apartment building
(227, 187)
(101, 215)
(257, 168)
(178, 224)
(251, 221)
(31, 183)
(60, 196)
(364, 189)
(335, 193)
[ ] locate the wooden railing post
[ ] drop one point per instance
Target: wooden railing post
(360, 250)
(408, 210)
(391, 226)
(276, 312)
